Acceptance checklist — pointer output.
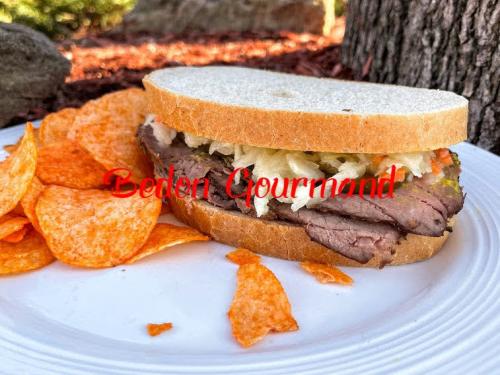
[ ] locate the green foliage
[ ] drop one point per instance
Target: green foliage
(61, 18)
(340, 6)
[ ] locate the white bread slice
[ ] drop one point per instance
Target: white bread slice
(287, 241)
(285, 111)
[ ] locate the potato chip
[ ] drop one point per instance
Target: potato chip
(10, 148)
(66, 163)
(243, 256)
(17, 171)
(29, 254)
(92, 228)
(28, 202)
(107, 129)
(166, 235)
(10, 224)
(130, 104)
(55, 126)
(260, 305)
(16, 236)
(326, 274)
(18, 210)
(158, 329)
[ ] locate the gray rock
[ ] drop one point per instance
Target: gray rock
(177, 16)
(31, 69)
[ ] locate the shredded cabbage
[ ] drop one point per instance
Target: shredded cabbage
(194, 141)
(161, 132)
(418, 163)
(282, 164)
(221, 148)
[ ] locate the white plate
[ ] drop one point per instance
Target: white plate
(442, 315)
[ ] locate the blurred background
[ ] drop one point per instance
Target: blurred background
(61, 53)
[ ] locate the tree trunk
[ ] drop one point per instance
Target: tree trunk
(444, 44)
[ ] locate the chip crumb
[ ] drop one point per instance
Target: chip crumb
(326, 274)
(260, 306)
(242, 256)
(158, 329)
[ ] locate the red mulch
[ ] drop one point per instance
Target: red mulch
(102, 64)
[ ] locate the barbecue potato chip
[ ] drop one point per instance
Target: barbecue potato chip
(326, 274)
(158, 329)
(11, 148)
(128, 103)
(166, 235)
(92, 228)
(107, 129)
(16, 236)
(29, 254)
(17, 171)
(242, 256)
(28, 202)
(66, 163)
(260, 305)
(10, 224)
(18, 210)
(55, 126)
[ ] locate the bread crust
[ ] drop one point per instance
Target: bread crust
(308, 131)
(287, 241)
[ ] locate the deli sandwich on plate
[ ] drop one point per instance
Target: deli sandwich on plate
(206, 123)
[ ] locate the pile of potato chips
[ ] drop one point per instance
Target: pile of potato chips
(55, 204)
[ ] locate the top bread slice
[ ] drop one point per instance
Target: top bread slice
(285, 111)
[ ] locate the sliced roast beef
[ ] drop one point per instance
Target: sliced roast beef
(355, 239)
(355, 227)
(217, 194)
(182, 158)
(446, 190)
(356, 207)
(193, 165)
(417, 207)
(410, 212)
(412, 215)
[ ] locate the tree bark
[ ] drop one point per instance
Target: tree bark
(443, 44)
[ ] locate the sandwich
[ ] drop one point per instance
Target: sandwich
(225, 124)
